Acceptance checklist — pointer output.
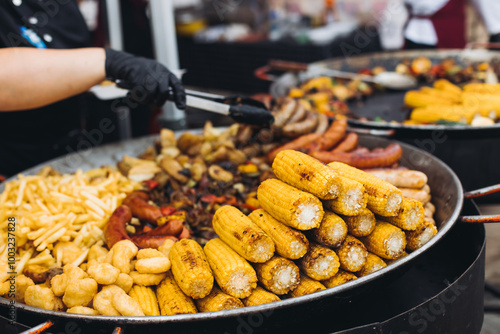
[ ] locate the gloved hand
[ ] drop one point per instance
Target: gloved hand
(149, 81)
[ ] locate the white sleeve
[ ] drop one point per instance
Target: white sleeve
(490, 12)
(426, 7)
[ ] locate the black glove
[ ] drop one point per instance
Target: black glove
(495, 38)
(149, 81)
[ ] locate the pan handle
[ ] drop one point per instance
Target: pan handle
(40, 328)
(479, 193)
(281, 66)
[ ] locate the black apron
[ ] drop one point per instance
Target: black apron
(31, 137)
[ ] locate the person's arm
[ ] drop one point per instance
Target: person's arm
(31, 78)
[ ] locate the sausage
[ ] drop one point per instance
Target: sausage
(293, 130)
(296, 144)
(153, 241)
(172, 227)
(298, 115)
(347, 144)
(322, 123)
(141, 208)
(385, 158)
(330, 138)
(402, 178)
(284, 112)
(115, 228)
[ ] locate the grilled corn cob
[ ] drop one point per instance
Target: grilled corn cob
(373, 263)
(319, 263)
(383, 198)
(419, 237)
(146, 297)
(482, 88)
(260, 296)
(455, 113)
(362, 224)
(453, 97)
(386, 241)
(218, 301)
(306, 173)
(339, 278)
(242, 235)
(352, 254)
(351, 200)
(410, 216)
(191, 269)
(331, 232)
(278, 275)
(288, 242)
(418, 99)
(234, 275)
(171, 298)
(306, 286)
(287, 204)
(443, 84)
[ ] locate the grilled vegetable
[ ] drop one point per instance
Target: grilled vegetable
(373, 263)
(242, 235)
(386, 241)
(146, 297)
(278, 275)
(319, 263)
(260, 296)
(191, 269)
(331, 232)
(383, 198)
(234, 275)
(218, 301)
(435, 113)
(171, 298)
(287, 204)
(306, 286)
(339, 278)
(306, 173)
(419, 237)
(288, 242)
(352, 254)
(362, 224)
(410, 216)
(351, 199)
(445, 85)
(418, 99)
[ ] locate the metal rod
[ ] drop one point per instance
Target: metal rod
(118, 330)
(39, 329)
(483, 191)
(480, 219)
(165, 47)
(114, 24)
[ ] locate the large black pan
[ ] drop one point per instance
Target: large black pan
(468, 150)
(287, 314)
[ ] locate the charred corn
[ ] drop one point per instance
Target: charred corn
(443, 84)
(352, 198)
(234, 275)
(146, 297)
(289, 205)
(386, 241)
(319, 263)
(410, 216)
(352, 254)
(306, 286)
(383, 198)
(419, 237)
(260, 296)
(191, 269)
(339, 278)
(418, 99)
(278, 275)
(288, 242)
(373, 263)
(331, 232)
(171, 299)
(218, 301)
(242, 235)
(362, 224)
(306, 173)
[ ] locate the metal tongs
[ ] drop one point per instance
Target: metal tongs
(241, 109)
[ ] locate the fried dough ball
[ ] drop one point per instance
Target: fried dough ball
(103, 273)
(42, 297)
(147, 279)
(103, 301)
(82, 310)
(80, 292)
(123, 253)
(125, 282)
